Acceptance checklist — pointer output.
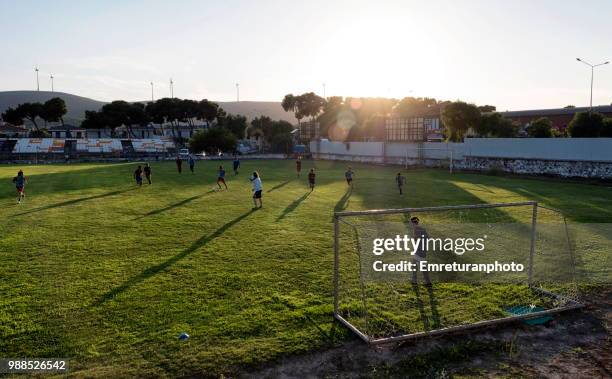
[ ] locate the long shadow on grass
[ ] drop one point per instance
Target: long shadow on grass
(433, 304)
(342, 203)
(172, 206)
(154, 270)
(72, 202)
(291, 207)
(281, 185)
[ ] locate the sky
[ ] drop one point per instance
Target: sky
(517, 54)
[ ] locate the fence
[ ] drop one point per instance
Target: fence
(567, 157)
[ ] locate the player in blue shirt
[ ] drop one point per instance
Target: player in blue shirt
(221, 177)
(138, 176)
(20, 181)
(191, 163)
(236, 165)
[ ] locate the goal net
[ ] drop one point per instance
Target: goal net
(475, 265)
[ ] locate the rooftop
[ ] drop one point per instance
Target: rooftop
(59, 128)
(557, 111)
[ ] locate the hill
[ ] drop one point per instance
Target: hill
(252, 109)
(77, 105)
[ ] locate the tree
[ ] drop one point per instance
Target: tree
(94, 120)
(586, 124)
(236, 124)
(310, 104)
(305, 105)
(289, 103)
(329, 117)
(487, 108)
(458, 117)
(30, 111)
(13, 116)
(495, 125)
(487, 124)
(262, 123)
(189, 112)
(606, 129)
(280, 138)
(39, 133)
(540, 128)
(53, 110)
(505, 129)
(210, 111)
(410, 107)
(212, 140)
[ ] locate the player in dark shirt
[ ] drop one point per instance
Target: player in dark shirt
(421, 253)
(179, 164)
(311, 179)
(298, 166)
(400, 180)
(236, 165)
(147, 172)
(191, 164)
(138, 176)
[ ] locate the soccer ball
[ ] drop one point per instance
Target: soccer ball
(183, 336)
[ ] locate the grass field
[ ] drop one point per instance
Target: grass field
(96, 269)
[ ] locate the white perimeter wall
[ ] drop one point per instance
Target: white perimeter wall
(562, 149)
(557, 149)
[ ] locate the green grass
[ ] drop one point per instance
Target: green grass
(96, 269)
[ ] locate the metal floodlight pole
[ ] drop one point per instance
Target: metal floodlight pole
(52, 83)
(237, 92)
(37, 81)
(324, 94)
(592, 66)
(171, 89)
(152, 97)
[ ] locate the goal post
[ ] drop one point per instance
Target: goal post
(386, 289)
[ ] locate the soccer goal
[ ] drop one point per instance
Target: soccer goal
(429, 157)
(476, 265)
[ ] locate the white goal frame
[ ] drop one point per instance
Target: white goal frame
(567, 304)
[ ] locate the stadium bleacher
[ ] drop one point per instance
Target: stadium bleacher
(152, 145)
(9, 148)
(99, 145)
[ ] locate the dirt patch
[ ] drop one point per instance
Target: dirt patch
(577, 344)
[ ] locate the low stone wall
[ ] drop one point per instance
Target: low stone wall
(566, 169)
(349, 158)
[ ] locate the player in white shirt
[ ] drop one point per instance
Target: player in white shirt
(257, 189)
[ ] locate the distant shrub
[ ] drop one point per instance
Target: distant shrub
(495, 171)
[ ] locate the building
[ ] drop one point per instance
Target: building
(560, 117)
(309, 131)
(414, 129)
(67, 131)
(11, 131)
(99, 133)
